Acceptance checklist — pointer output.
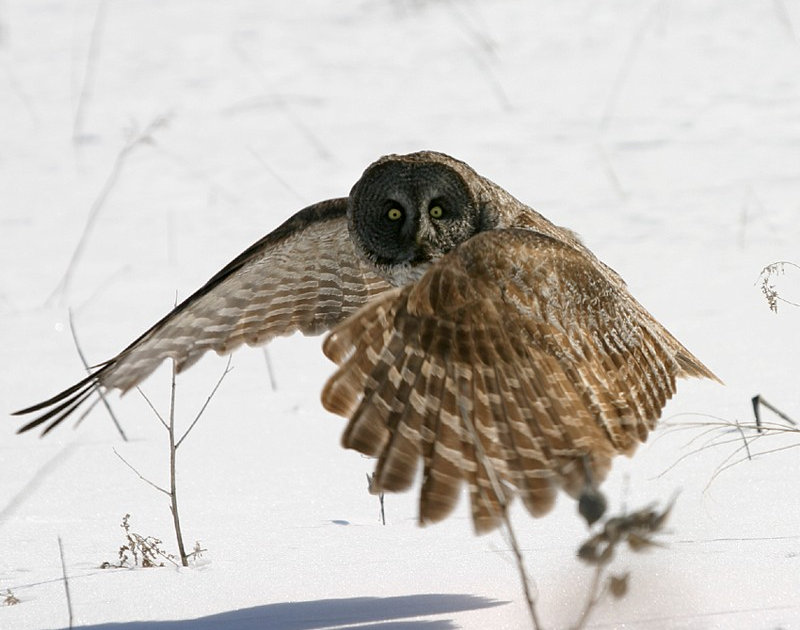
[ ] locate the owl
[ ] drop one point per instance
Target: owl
(473, 338)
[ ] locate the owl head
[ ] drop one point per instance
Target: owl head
(407, 211)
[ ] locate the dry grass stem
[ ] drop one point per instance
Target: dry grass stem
(271, 372)
(88, 371)
(500, 495)
(137, 139)
(719, 432)
(65, 580)
(88, 73)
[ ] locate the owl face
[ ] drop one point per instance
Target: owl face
(405, 214)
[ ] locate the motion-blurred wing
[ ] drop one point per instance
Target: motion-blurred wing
(517, 364)
(304, 276)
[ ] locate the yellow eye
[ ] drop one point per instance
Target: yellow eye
(394, 214)
(436, 212)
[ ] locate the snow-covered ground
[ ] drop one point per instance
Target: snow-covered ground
(666, 132)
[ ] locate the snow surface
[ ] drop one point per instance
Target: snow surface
(667, 133)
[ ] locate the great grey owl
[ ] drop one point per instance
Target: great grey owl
(470, 332)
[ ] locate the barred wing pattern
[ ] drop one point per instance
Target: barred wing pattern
(515, 351)
(304, 276)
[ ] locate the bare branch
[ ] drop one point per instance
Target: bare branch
(758, 401)
(228, 368)
(89, 371)
(596, 591)
(152, 407)
(173, 454)
(138, 474)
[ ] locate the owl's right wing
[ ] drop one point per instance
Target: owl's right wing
(516, 364)
(304, 276)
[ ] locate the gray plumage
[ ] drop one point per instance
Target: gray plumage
(471, 334)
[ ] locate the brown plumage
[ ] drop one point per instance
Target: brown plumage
(513, 341)
(505, 355)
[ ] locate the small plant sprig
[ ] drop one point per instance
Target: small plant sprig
(196, 552)
(767, 283)
(636, 530)
(139, 551)
(9, 599)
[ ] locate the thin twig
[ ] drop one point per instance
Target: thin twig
(627, 63)
(484, 53)
(190, 168)
(480, 455)
(282, 104)
(152, 407)
(140, 138)
(88, 73)
(783, 16)
(758, 401)
(611, 172)
(277, 176)
(65, 580)
(596, 591)
(228, 368)
(99, 390)
(761, 430)
(19, 91)
(744, 439)
(3, 26)
(381, 496)
(173, 452)
(271, 372)
(721, 469)
(138, 474)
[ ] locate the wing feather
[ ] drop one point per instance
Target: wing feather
(517, 364)
(304, 276)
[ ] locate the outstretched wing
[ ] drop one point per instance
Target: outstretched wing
(304, 276)
(517, 364)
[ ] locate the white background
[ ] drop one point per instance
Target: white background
(666, 133)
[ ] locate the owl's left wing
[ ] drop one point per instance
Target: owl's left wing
(515, 352)
(303, 276)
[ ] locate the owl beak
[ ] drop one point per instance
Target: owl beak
(424, 250)
(423, 236)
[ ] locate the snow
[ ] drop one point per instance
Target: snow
(666, 133)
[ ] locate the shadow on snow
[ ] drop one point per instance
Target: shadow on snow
(385, 613)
